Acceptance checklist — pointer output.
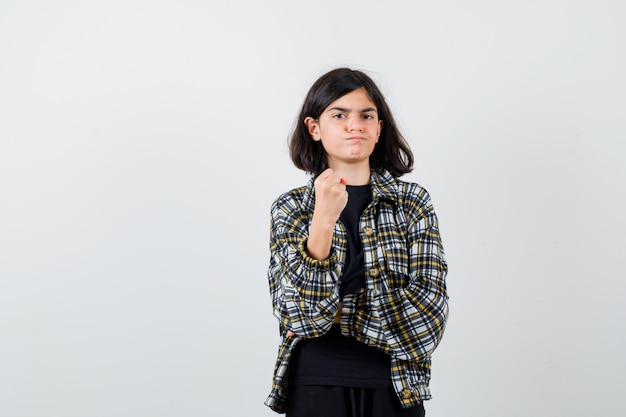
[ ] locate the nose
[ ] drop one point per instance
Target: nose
(355, 124)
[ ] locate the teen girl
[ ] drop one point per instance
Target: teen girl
(357, 269)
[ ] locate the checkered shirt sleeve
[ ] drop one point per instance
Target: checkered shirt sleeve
(304, 291)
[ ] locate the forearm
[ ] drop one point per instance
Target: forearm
(406, 320)
(406, 326)
(320, 238)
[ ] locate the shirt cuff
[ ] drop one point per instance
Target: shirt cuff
(312, 263)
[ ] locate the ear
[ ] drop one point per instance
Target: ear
(380, 129)
(313, 127)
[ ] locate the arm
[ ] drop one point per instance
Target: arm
(406, 322)
(304, 290)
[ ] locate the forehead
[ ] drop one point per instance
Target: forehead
(357, 99)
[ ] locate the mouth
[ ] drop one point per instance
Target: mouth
(356, 138)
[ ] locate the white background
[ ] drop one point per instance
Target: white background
(142, 143)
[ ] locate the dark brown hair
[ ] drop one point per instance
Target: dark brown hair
(392, 152)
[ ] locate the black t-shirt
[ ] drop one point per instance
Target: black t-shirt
(333, 359)
(353, 277)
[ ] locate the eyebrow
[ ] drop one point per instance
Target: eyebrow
(342, 109)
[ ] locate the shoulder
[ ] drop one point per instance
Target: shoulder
(400, 191)
(412, 191)
(297, 200)
(414, 199)
(290, 210)
(290, 199)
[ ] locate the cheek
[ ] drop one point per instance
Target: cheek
(375, 131)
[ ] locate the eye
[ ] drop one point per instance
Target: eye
(339, 116)
(368, 117)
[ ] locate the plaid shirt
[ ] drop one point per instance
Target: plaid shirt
(403, 308)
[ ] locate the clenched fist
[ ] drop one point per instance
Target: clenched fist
(331, 198)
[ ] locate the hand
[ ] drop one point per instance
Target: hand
(331, 197)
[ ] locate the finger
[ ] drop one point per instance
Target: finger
(327, 173)
(291, 334)
(335, 179)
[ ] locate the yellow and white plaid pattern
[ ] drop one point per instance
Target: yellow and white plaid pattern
(403, 308)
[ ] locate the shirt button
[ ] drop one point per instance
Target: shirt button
(368, 231)
(374, 272)
(406, 393)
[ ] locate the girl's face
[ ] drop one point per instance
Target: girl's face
(348, 129)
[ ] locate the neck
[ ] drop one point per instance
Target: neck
(354, 175)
